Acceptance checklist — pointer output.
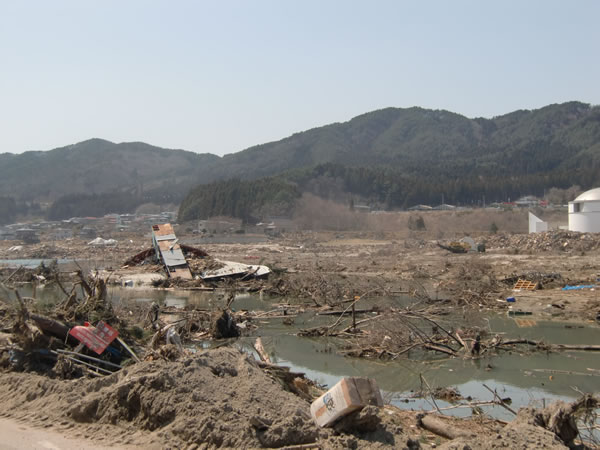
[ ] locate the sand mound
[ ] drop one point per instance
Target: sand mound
(220, 398)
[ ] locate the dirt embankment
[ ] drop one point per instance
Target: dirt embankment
(217, 398)
(221, 398)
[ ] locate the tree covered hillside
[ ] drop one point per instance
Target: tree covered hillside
(412, 140)
(97, 166)
(410, 155)
(247, 200)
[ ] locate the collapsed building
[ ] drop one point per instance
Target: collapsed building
(169, 252)
(190, 263)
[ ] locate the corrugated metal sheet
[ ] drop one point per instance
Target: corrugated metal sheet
(171, 253)
(166, 243)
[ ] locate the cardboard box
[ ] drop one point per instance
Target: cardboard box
(346, 396)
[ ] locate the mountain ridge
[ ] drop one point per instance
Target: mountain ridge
(413, 140)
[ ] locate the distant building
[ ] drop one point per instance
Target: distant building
(362, 208)
(88, 232)
(60, 234)
(537, 225)
(27, 235)
(420, 208)
(584, 212)
(6, 234)
(444, 207)
(168, 216)
(528, 201)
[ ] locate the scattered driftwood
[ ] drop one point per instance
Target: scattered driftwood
(500, 401)
(438, 426)
(44, 341)
(539, 345)
(439, 349)
(330, 330)
(295, 382)
(193, 251)
(160, 336)
(461, 341)
(51, 326)
(84, 284)
(337, 313)
(587, 348)
(78, 358)
(140, 257)
(561, 418)
(258, 346)
(91, 358)
(13, 274)
(129, 350)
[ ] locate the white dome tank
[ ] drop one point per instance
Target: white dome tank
(584, 212)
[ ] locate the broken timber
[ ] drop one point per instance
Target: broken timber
(169, 252)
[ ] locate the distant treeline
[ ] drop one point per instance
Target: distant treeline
(378, 187)
(390, 188)
(97, 205)
(94, 205)
(10, 209)
(247, 200)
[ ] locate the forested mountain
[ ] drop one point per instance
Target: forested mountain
(98, 166)
(401, 157)
(422, 141)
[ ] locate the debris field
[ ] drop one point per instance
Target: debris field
(145, 384)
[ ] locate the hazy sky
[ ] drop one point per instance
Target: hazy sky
(220, 76)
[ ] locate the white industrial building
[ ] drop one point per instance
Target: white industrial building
(584, 212)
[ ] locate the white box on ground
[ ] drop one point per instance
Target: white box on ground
(347, 395)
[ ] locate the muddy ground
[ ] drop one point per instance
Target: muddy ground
(326, 264)
(222, 398)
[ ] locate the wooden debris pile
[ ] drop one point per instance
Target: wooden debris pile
(474, 285)
(63, 342)
(558, 240)
(562, 418)
(412, 332)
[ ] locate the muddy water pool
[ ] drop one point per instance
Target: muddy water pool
(527, 379)
(531, 379)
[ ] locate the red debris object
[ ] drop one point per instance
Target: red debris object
(95, 338)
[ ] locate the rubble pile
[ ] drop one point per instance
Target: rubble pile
(41, 273)
(548, 241)
(215, 398)
(200, 265)
(74, 248)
